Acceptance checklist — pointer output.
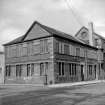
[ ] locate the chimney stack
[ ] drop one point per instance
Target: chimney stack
(91, 30)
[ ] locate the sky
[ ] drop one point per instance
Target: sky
(16, 16)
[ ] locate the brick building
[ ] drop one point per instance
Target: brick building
(47, 56)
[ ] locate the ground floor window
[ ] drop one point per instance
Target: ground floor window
(61, 68)
(8, 70)
(18, 70)
(43, 68)
(72, 68)
(90, 69)
(30, 69)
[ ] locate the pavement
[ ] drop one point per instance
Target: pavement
(14, 89)
(89, 94)
(75, 83)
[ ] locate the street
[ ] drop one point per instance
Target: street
(93, 94)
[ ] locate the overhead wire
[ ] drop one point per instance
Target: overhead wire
(75, 16)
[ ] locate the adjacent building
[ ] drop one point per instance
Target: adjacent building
(47, 56)
(90, 37)
(2, 67)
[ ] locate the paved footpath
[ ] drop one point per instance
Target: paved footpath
(90, 94)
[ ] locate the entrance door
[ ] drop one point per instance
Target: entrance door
(82, 74)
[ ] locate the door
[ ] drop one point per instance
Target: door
(82, 73)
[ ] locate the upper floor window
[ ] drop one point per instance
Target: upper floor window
(36, 47)
(24, 49)
(66, 49)
(78, 52)
(44, 46)
(30, 48)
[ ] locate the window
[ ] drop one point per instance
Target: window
(61, 68)
(18, 70)
(28, 69)
(24, 49)
(19, 50)
(61, 48)
(70, 69)
(32, 69)
(41, 69)
(36, 47)
(66, 49)
(30, 48)
(57, 47)
(78, 52)
(90, 69)
(13, 51)
(44, 46)
(8, 70)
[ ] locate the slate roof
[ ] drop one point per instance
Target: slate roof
(52, 31)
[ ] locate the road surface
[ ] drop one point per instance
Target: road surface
(93, 94)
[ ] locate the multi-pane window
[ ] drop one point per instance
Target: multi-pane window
(90, 69)
(36, 47)
(61, 68)
(66, 49)
(32, 69)
(24, 49)
(57, 47)
(78, 52)
(61, 48)
(28, 70)
(72, 69)
(41, 69)
(13, 51)
(30, 48)
(19, 50)
(8, 71)
(18, 70)
(44, 46)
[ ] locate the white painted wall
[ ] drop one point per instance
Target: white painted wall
(1, 68)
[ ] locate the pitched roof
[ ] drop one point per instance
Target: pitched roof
(52, 31)
(48, 29)
(88, 30)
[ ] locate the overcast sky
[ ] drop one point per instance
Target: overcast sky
(16, 16)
